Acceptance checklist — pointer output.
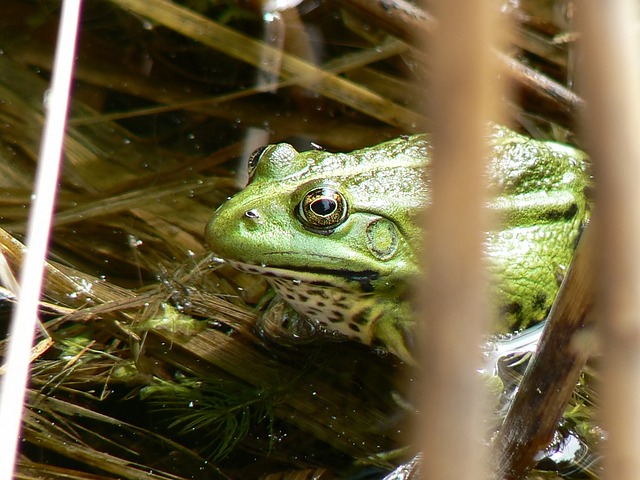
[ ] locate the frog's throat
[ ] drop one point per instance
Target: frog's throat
(340, 300)
(353, 314)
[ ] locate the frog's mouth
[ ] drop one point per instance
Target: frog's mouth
(320, 276)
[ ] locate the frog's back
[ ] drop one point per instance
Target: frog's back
(537, 192)
(539, 198)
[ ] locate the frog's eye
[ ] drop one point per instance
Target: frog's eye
(322, 209)
(254, 159)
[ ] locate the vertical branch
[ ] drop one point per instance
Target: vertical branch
(552, 373)
(462, 94)
(611, 71)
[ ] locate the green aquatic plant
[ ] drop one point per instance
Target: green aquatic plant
(221, 412)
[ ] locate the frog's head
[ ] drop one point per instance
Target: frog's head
(341, 220)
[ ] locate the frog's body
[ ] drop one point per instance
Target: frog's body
(337, 234)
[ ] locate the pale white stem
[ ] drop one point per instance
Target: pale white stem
(24, 319)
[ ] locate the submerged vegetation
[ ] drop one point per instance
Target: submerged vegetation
(150, 366)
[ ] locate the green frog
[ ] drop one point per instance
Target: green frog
(337, 236)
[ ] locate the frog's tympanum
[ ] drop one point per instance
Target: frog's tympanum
(337, 234)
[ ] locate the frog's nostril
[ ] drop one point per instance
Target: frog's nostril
(252, 214)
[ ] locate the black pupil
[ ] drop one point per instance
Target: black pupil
(323, 206)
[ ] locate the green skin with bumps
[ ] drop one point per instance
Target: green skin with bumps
(337, 237)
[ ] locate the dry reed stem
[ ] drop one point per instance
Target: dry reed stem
(462, 96)
(552, 374)
(611, 75)
(272, 60)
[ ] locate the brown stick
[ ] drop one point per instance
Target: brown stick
(552, 374)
